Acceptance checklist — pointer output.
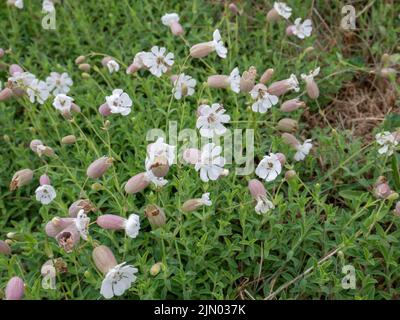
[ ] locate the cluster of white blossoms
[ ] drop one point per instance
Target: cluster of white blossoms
(211, 122)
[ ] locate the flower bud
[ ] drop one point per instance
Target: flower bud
(84, 67)
(287, 125)
(21, 178)
(155, 215)
(290, 140)
(85, 75)
(105, 110)
(257, 189)
(137, 183)
(71, 139)
(44, 180)
(267, 75)
(393, 196)
(218, 81)
(15, 289)
(192, 155)
(201, 50)
(97, 186)
(273, 16)
(111, 222)
(194, 204)
(290, 174)
(80, 60)
(292, 105)
(34, 145)
(382, 189)
(6, 94)
(81, 204)
(15, 68)
(156, 268)
(176, 28)
(312, 88)
(233, 8)
(4, 248)
(281, 157)
(103, 258)
(98, 167)
(247, 81)
(2, 52)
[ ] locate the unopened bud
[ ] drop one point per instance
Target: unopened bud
(98, 167)
(84, 67)
(292, 105)
(247, 81)
(137, 183)
(80, 60)
(97, 186)
(85, 75)
(4, 248)
(15, 289)
(290, 140)
(273, 16)
(287, 125)
(6, 94)
(156, 268)
(71, 139)
(290, 174)
(267, 75)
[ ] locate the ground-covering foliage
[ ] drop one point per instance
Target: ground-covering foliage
(326, 217)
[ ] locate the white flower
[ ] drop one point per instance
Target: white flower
(219, 44)
(183, 86)
(118, 280)
(157, 62)
(211, 119)
(37, 91)
(157, 181)
(82, 224)
(269, 167)
(303, 150)
(59, 83)
(17, 3)
(119, 102)
(159, 149)
(293, 83)
(283, 9)
(48, 6)
(211, 163)
(169, 18)
(388, 142)
(302, 30)
(263, 205)
(311, 75)
(112, 66)
(234, 80)
(45, 194)
(63, 103)
(205, 199)
(22, 79)
(264, 100)
(132, 225)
